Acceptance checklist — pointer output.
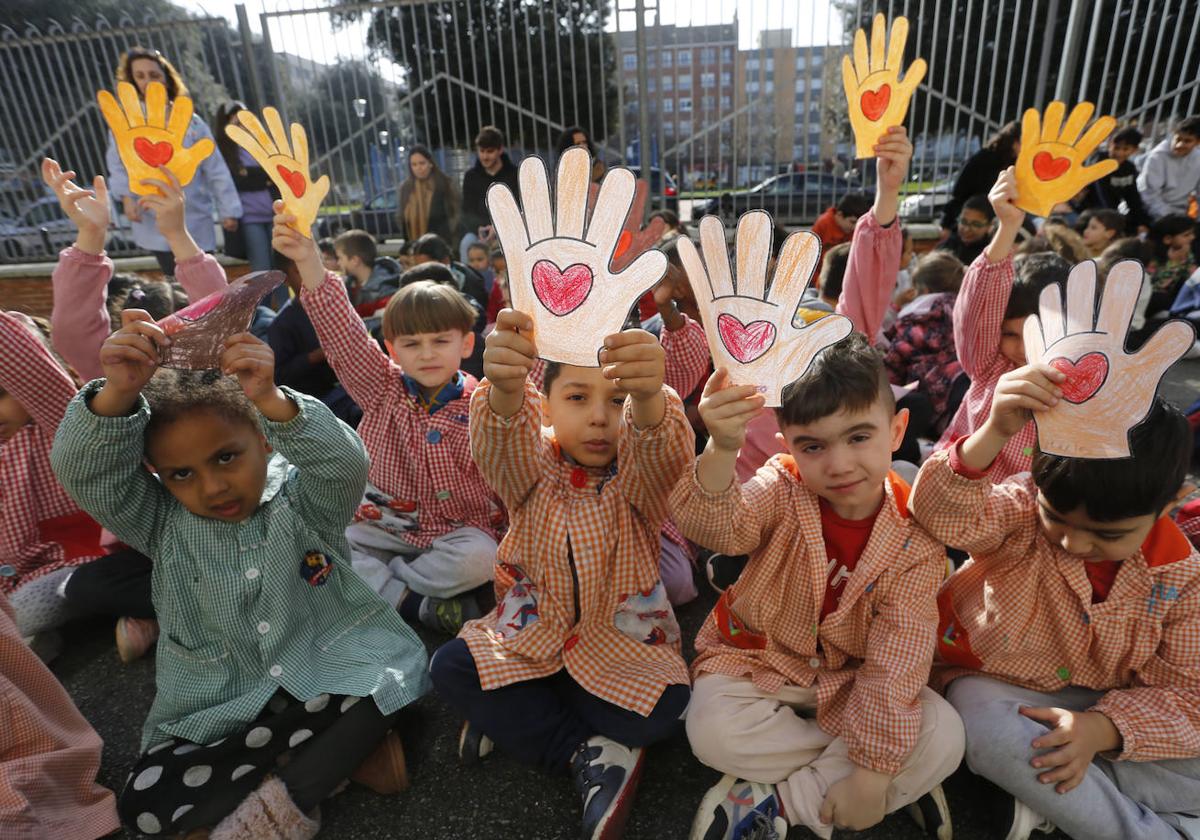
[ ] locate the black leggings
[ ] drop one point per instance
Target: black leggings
(180, 786)
(116, 585)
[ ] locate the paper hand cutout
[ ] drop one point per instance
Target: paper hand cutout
(198, 331)
(148, 140)
(1107, 391)
(1050, 166)
(286, 163)
(876, 96)
(561, 275)
(749, 329)
(635, 240)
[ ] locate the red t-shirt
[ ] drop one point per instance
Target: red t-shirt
(845, 540)
(1101, 574)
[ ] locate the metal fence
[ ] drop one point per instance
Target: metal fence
(709, 97)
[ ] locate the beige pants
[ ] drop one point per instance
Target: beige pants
(774, 739)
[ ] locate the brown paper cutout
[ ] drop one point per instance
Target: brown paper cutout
(1050, 166)
(559, 262)
(198, 331)
(750, 329)
(148, 139)
(1108, 391)
(876, 97)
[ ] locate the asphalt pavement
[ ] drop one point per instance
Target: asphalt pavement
(498, 799)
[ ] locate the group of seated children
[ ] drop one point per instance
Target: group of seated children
(841, 676)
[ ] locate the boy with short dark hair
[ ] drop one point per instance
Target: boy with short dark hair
(834, 616)
(1170, 176)
(836, 225)
(492, 165)
(372, 278)
(1120, 185)
(1100, 229)
(973, 231)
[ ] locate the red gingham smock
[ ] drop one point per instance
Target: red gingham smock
(580, 562)
(1021, 610)
(869, 658)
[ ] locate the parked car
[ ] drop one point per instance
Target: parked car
(42, 229)
(927, 206)
(793, 199)
(377, 216)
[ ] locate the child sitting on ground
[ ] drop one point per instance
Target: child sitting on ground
(989, 320)
(1070, 637)
(373, 279)
(1101, 228)
(973, 231)
(833, 618)
(425, 535)
(269, 640)
(1173, 262)
(836, 224)
(578, 668)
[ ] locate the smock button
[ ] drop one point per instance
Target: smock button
(251, 573)
(579, 477)
(264, 628)
(276, 670)
(815, 662)
(433, 436)
(1063, 674)
(7, 571)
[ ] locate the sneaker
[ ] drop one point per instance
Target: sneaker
(473, 745)
(723, 570)
(606, 774)
(1014, 820)
(734, 809)
(448, 615)
(932, 813)
(384, 770)
(135, 636)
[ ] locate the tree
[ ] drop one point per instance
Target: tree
(524, 65)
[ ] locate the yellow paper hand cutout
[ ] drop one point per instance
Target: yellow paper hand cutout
(147, 140)
(1050, 166)
(876, 96)
(287, 164)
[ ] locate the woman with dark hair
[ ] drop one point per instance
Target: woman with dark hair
(428, 201)
(212, 184)
(981, 170)
(576, 136)
(256, 192)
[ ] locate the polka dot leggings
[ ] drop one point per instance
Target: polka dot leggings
(312, 747)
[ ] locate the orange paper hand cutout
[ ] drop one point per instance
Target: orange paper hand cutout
(286, 163)
(1050, 167)
(749, 329)
(876, 96)
(149, 139)
(1107, 391)
(560, 262)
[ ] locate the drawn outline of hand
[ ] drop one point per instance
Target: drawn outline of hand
(635, 240)
(287, 164)
(1050, 166)
(742, 312)
(561, 275)
(1108, 391)
(876, 96)
(149, 139)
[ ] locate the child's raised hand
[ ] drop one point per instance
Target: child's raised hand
(1021, 392)
(168, 204)
(727, 409)
(131, 355)
(297, 247)
(635, 360)
(509, 352)
(1003, 197)
(893, 152)
(252, 362)
(87, 209)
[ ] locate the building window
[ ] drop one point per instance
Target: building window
(768, 86)
(668, 83)
(708, 55)
(650, 84)
(801, 85)
(708, 102)
(815, 84)
(752, 63)
(668, 106)
(753, 88)
(726, 78)
(817, 60)
(685, 105)
(708, 80)
(770, 65)
(726, 102)
(669, 129)
(685, 58)
(685, 127)
(630, 61)
(685, 82)
(668, 58)
(800, 62)
(727, 54)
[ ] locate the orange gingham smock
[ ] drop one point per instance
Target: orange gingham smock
(415, 456)
(1021, 610)
(609, 523)
(37, 512)
(49, 755)
(869, 658)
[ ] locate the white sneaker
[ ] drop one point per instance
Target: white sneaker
(1025, 821)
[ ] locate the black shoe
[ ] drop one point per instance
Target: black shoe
(1012, 818)
(723, 570)
(606, 774)
(473, 745)
(932, 813)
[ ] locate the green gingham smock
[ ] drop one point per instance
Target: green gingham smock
(239, 618)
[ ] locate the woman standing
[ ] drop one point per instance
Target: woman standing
(980, 172)
(576, 136)
(428, 200)
(213, 182)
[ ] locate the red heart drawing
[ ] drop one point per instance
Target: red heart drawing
(1048, 167)
(154, 154)
(295, 180)
(562, 291)
(1084, 377)
(874, 103)
(745, 342)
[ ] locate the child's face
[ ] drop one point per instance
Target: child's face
(1089, 539)
(214, 465)
(1179, 245)
(12, 416)
(432, 359)
(1182, 144)
(585, 410)
(845, 223)
(972, 225)
(845, 457)
(345, 264)
(1096, 236)
(477, 258)
(1121, 152)
(1012, 340)
(499, 266)
(331, 261)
